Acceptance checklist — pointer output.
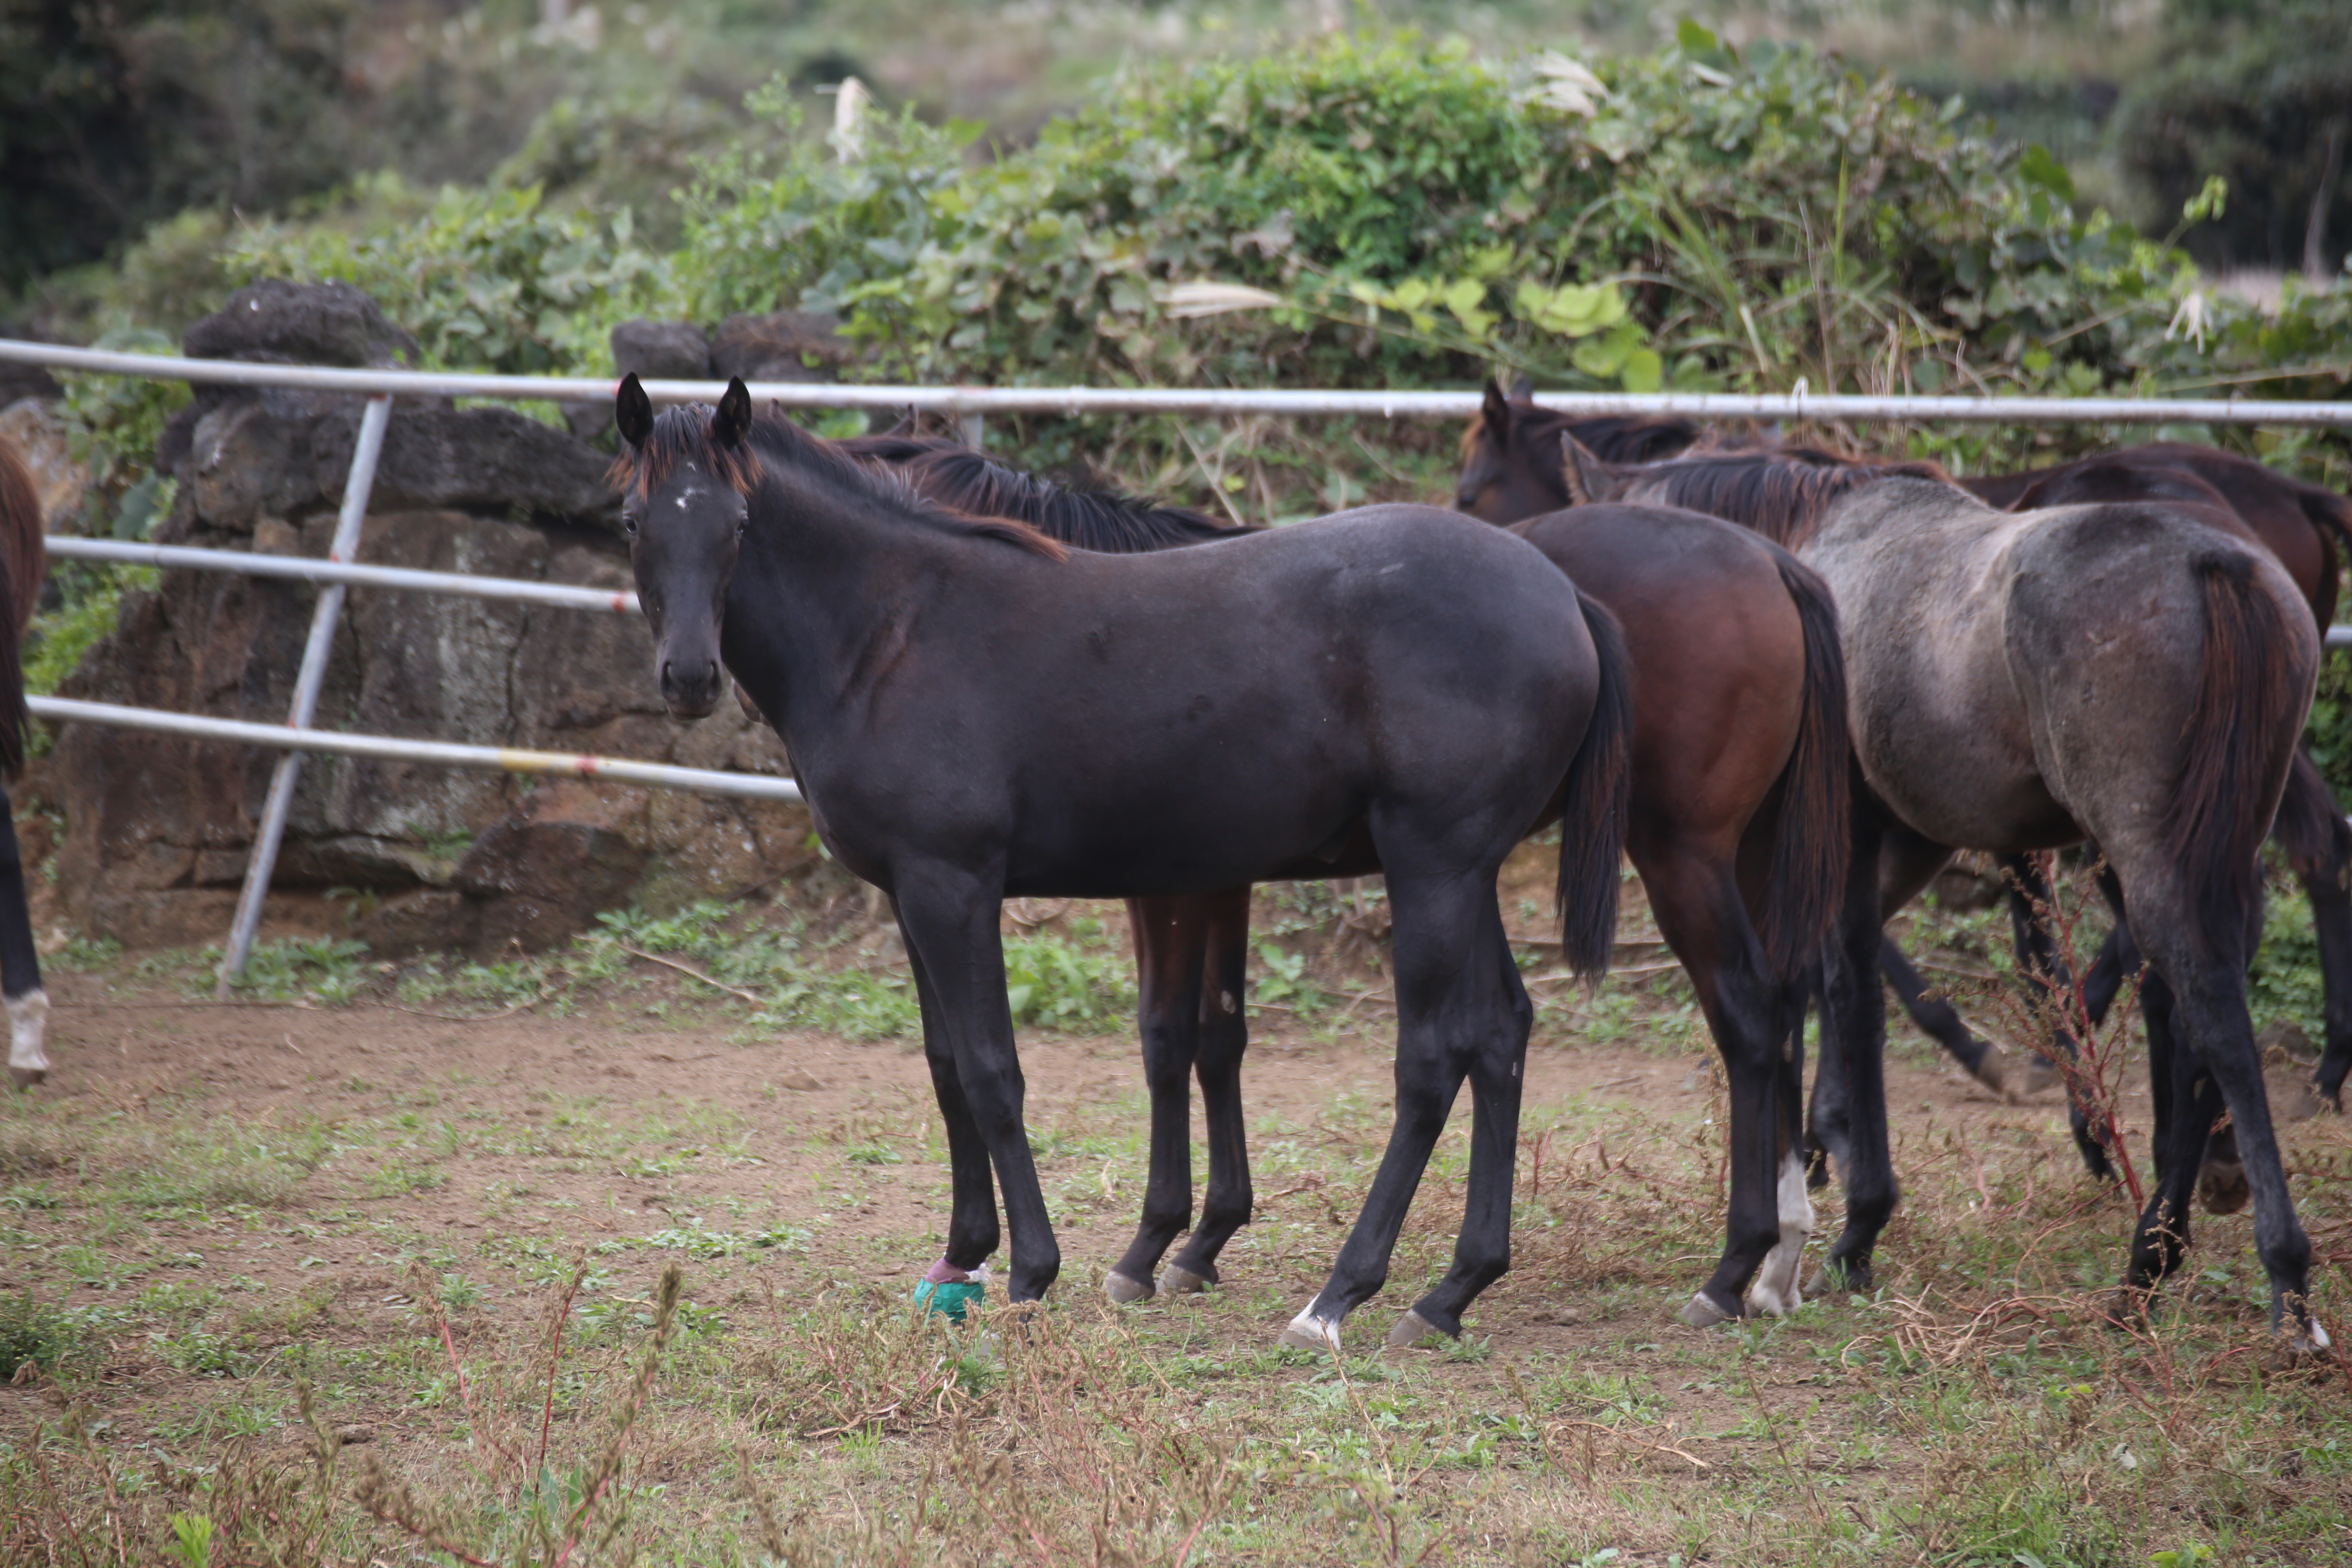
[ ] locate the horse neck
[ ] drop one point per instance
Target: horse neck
(822, 581)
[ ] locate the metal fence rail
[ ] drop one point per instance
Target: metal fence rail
(1073, 400)
(302, 569)
(440, 753)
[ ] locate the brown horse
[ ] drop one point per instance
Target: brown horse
(1735, 826)
(2126, 672)
(24, 562)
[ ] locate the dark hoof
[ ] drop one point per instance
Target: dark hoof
(1124, 1290)
(25, 1078)
(2033, 1077)
(1411, 1328)
(1179, 1280)
(1851, 1278)
(1992, 1071)
(1699, 1313)
(2221, 1187)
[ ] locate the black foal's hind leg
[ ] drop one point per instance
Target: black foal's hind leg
(1228, 1203)
(2046, 970)
(1170, 938)
(20, 965)
(1482, 1252)
(1446, 971)
(2331, 922)
(2190, 1101)
(1853, 1025)
(1939, 1020)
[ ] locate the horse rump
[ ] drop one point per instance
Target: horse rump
(2251, 702)
(1598, 788)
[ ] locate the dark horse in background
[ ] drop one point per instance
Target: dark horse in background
(2125, 672)
(24, 562)
(974, 712)
(1513, 467)
(1737, 826)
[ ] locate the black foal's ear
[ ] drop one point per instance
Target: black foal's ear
(632, 411)
(1495, 414)
(1590, 480)
(733, 420)
(1522, 389)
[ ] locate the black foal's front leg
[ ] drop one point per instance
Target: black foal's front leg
(950, 918)
(973, 1230)
(1225, 1038)
(1939, 1020)
(1170, 953)
(20, 964)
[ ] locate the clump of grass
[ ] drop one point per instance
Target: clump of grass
(58, 1339)
(530, 1509)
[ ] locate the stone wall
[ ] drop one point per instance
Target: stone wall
(159, 828)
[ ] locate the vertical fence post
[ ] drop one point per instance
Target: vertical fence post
(313, 675)
(974, 430)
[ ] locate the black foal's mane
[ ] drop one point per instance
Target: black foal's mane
(1781, 494)
(774, 443)
(1098, 521)
(1612, 437)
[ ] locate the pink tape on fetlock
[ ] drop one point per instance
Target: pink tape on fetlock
(945, 1273)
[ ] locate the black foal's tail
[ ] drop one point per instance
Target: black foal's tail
(1807, 884)
(2314, 834)
(1592, 827)
(2249, 714)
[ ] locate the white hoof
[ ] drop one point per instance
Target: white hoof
(1308, 1332)
(28, 1017)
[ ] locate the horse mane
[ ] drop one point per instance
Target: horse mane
(1103, 522)
(1783, 493)
(24, 562)
(1612, 437)
(682, 434)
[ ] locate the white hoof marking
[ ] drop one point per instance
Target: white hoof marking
(28, 1024)
(1309, 1332)
(1776, 1289)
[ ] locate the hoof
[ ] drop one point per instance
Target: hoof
(1308, 1332)
(1179, 1280)
(2304, 1346)
(2222, 1187)
(25, 1078)
(1992, 1071)
(1699, 1313)
(2036, 1077)
(951, 1291)
(1834, 1276)
(1124, 1290)
(1411, 1328)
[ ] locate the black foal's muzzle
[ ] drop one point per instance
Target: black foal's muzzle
(691, 687)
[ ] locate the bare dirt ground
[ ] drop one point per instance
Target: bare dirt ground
(214, 1216)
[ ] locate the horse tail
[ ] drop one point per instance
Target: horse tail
(2249, 714)
(2330, 516)
(1806, 886)
(1592, 824)
(2309, 828)
(24, 562)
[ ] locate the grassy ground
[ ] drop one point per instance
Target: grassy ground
(334, 1281)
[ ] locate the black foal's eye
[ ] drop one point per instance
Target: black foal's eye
(629, 524)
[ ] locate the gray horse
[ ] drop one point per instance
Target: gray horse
(2120, 672)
